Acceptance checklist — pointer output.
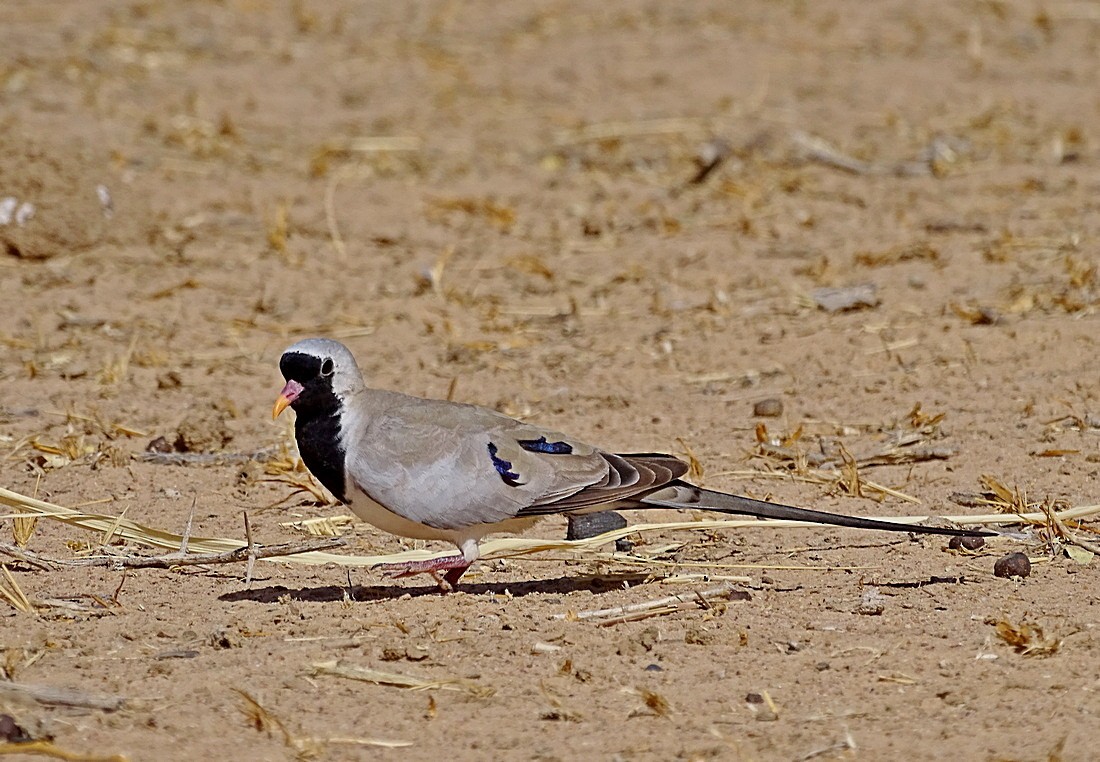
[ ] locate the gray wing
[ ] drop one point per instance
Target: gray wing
(452, 466)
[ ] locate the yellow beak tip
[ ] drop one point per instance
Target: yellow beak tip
(281, 404)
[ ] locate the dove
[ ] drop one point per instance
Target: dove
(439, 470)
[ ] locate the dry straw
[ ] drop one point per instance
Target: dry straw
(505, 547)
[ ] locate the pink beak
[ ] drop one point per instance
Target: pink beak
(290, 392)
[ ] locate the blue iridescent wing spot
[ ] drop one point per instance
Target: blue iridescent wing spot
(504, 468)
(546, 448)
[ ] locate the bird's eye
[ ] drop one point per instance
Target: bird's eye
(327, 367)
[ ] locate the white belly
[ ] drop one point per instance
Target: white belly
(378, 515)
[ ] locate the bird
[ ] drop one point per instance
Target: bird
(440, 470)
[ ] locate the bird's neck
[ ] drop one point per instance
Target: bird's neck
(318, 434)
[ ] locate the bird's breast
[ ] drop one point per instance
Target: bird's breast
(322, 451)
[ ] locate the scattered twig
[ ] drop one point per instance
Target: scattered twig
(248, 552)
(1063, 532)
(26, 556)
(307, 747)
(187, 529)
(57, 696)
(330, 209)
(819, 476)
(646, 609)
(711, 154)
(210, 458)
(263, 720)
(118, 590)
(847, 744)
(893, 455)
(621, 130)
(352, 672)
(817, 149)
(99, 609)
(251, 551)
(50, 749)
(384, 143)
(500, 547)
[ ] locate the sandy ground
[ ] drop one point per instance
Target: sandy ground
(505, 202)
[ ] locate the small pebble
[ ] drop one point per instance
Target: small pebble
(966, 543)
(754, 698)
(1012, 565)
(169, 380)
(769, 408)
(160, 444)
(654, 668)
(11, 732)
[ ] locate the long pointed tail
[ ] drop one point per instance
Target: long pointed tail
(683, 495)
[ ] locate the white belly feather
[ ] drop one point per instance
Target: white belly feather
(377, 515)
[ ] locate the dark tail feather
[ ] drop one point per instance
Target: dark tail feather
(683, 495)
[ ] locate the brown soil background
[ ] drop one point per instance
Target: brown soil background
(533, 237)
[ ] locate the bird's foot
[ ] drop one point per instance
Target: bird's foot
(453, 566)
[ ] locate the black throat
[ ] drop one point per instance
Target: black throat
(317, 430)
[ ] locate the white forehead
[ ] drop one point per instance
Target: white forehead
(322, 348)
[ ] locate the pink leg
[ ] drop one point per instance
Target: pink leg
(454, 566)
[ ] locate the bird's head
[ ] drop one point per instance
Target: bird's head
(319, 374)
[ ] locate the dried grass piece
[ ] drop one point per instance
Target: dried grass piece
(250, 552)
(292, 471)
(322, 526)
(264, 454)
(901, 253)
(500, 216)
(858, 297)
(50, 749)
(557, 711)
(367, 675)
(1028, 638)
(850, 480)
(932, 160)
(59, 696)
(379, 742)
(979, 315)
(266, 722)
(695, 468)
(13, 594)
(832, 750)
(502, 547)
(646, 609)
(620, 130)
(1057, 529)
(307, 747)
(655, 702)
(22, 529)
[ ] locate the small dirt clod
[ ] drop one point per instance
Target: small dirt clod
(769, 408)
(1012, 565)
(966, 543)
(11, 731)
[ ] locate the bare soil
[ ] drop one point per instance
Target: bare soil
(505, 202)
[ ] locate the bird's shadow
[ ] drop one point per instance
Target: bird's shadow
(372, 593)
